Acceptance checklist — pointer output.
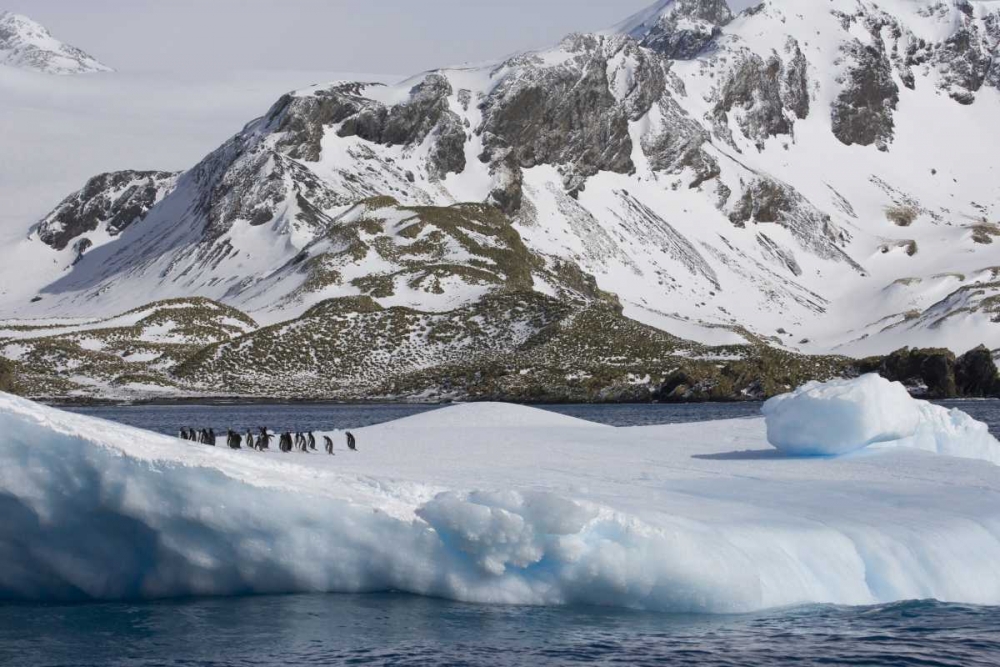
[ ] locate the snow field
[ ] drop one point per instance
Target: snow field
(491, 504)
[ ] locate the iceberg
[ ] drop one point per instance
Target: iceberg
(843, 416)
(840, 416)
(494, 504)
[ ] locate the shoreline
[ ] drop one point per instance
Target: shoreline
(218, 402)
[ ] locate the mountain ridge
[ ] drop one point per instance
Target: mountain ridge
(723, 178)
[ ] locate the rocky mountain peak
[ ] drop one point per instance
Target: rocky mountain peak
(678, 29)
(27, 44)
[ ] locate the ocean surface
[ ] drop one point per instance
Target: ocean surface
(387, 629)
(390, 629)
(169, 419)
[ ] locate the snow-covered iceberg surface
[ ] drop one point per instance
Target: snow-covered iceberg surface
(842, 416)
(492, 504)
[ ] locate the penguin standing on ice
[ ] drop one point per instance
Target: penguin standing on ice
(352, 444)
(211, 437)
(233, 439)
(311, 439)
(328, 443)
(250, 442)
(183, 435)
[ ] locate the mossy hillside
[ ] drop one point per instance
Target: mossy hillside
(7, 380)
(86, 357)
(433, 249)
(596, 355)
(521, 346)
(348, 347)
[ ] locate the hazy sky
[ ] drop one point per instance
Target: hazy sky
(373, 36)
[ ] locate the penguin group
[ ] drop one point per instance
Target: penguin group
(205, 436)
(287, 441)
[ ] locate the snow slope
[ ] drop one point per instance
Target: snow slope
(28, 45)
(492, 504)
(67, 129)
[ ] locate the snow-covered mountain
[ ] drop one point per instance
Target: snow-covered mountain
(817, 173)
(29, 45)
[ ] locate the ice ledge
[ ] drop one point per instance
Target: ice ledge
(662, 518)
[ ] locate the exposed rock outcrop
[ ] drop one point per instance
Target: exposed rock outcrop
(938, 373)
(682, 29)
(563, 116)
(108, 202)
(767, 95)
(409, 123)
(976, 373)
(863, 111)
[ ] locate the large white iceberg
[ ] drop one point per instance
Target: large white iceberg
(840, 416)
(491, 504)
(843, 416)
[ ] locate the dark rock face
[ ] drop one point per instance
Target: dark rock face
(508, 194)
(563, 116)
(111, 201)
(254, 187)
(755, 87)
(688, 30)
(976, 373)
(763, 201)
(411, 122)
(768, 201)
(680, 144)
(769, 94)
(795, 82)
(931, 368)
(967, 59)
(681, 44)
(863, 112)
(302, 120)
(936, 373)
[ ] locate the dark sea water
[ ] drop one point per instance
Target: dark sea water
(389, 629)
(169, 419)
(404, 630)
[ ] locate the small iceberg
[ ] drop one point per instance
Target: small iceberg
(843, 416)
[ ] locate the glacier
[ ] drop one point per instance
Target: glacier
(492, 503)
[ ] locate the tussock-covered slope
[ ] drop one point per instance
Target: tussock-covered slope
(123, 356)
